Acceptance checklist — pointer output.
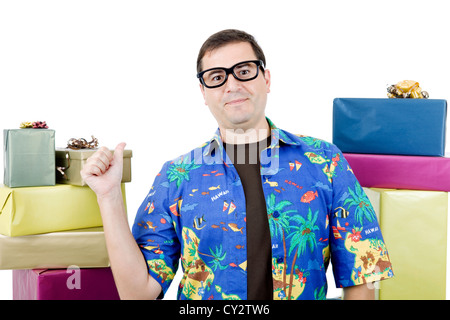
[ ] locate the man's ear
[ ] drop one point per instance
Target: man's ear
(267, 79)
(202, 89)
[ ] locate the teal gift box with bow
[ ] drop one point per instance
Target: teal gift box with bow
(29, 157)
(414, 127)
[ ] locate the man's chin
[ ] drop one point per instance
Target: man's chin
(242, 122)
(238, 116)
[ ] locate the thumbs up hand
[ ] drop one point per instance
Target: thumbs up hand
(103, 170)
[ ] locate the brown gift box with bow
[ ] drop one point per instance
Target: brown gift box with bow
(70, 162)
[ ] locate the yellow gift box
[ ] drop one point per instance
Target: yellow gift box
(35, 210)
(85, 248)
(414, 227)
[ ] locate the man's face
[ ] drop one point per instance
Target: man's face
(236, 104)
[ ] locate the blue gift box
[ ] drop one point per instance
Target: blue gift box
(390, 126)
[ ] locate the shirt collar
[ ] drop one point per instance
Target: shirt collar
(281, 135)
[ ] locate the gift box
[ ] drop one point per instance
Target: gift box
(85, 248)
(414, 227)
(401, 172)
(35, 210)
(390, 126)
(70, 162)
(64, 284)
(29, 157)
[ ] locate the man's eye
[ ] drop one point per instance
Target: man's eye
(216, 78)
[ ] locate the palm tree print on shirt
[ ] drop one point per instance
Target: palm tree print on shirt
(279, 223)
(361, 201)
(179, 170)
(302, 237)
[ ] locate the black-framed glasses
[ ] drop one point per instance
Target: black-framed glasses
(242, 71)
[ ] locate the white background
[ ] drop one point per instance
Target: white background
(125, 70)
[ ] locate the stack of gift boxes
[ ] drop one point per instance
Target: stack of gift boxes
(51, 232)
(396, 149)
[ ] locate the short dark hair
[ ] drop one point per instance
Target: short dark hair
(225, 37)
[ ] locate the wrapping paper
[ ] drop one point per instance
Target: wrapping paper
(29, 157)
(64, 284)
(72, 161)
(35, 210)
(85, 248)
(414, 227)
(390, 126)
(401, 172)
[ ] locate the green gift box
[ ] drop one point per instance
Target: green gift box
(29, 157)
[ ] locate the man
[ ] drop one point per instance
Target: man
(254, 213)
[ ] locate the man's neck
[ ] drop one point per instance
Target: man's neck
(245, 136)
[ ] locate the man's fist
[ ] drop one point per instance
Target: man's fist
(103, 170)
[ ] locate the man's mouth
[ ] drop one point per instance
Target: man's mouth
(236, 101)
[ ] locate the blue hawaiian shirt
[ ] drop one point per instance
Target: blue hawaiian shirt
(317, 211)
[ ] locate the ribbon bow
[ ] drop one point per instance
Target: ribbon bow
(33, 125)
(77, 144)
(406, 89)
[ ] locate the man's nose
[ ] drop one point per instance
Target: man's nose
(232, 83)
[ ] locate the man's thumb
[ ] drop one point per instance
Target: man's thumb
(118, 152)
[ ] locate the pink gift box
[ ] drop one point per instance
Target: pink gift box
(401, 172)
(64, 284)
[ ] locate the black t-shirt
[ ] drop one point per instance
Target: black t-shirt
(245, 158)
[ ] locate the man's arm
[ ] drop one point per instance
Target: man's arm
(360, 292)
(103, 174)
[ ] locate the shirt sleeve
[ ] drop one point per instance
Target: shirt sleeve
(358, 252)
(155, 233)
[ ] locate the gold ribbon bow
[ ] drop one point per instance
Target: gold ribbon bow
(406, 89)
(77, 144)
